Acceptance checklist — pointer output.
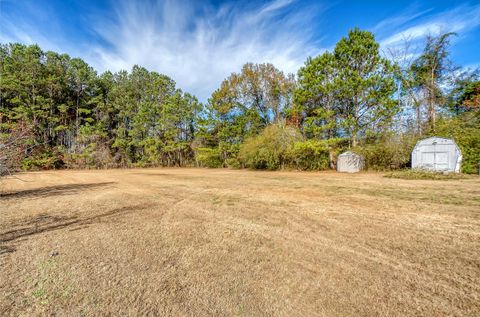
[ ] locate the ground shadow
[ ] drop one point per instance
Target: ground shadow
(57, 190)
(6, 249)
(44, 223)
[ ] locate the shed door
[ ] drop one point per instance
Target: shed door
(428, 158)
(441, 160)
(436, 160)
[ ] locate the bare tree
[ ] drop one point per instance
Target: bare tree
(14, 144)
(423, 76)
(409, 95)
(431, 69)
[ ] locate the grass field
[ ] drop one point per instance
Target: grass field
(198, 242)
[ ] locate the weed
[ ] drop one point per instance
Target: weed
(416, 174)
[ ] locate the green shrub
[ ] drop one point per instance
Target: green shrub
(309, 155)
(233, 163)
(43, 161)
(387, 152)
(208, 157)
(465, 130)
(271, 148)
(228, 151)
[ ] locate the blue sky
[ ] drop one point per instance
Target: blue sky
(199, 43)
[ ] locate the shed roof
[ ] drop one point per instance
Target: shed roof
(432, 138)
(349, 153)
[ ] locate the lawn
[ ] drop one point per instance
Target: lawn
(199, 242)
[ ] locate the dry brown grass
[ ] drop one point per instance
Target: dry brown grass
(196, 242)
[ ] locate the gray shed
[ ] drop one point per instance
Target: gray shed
(437, 154)
(350, 162)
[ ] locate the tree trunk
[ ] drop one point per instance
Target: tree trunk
(419, 119)
(77, 114)
(331, 159)
(432, 114)
(431, 100)
(356, 122)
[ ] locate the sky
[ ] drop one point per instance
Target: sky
(200, 43)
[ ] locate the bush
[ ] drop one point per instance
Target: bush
(233, 163)
(43, 161)
(466, 133)
(208, 157)
(15, 141)
(271, 148)
(423, 174)
(309, 155)
(387, 152)
(228, 152)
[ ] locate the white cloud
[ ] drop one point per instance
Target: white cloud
(411, 13)
(472, 67)
(196, 44)
(199, 46)
(28, 24)
(460, 19)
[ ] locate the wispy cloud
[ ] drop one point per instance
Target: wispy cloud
(391, 23)
(473, 67)
(416, 26)
(19, 25)
(196, 43)
(199, 45)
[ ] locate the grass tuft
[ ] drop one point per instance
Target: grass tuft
(417, 174)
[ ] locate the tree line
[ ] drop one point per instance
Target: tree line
(59, 112)
(79, 118)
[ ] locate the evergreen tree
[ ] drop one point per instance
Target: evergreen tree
(365, 84)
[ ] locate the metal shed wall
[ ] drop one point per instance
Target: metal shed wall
(350, 162)
(437, 154)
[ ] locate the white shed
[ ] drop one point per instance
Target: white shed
(437, 154)
(350, 162)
